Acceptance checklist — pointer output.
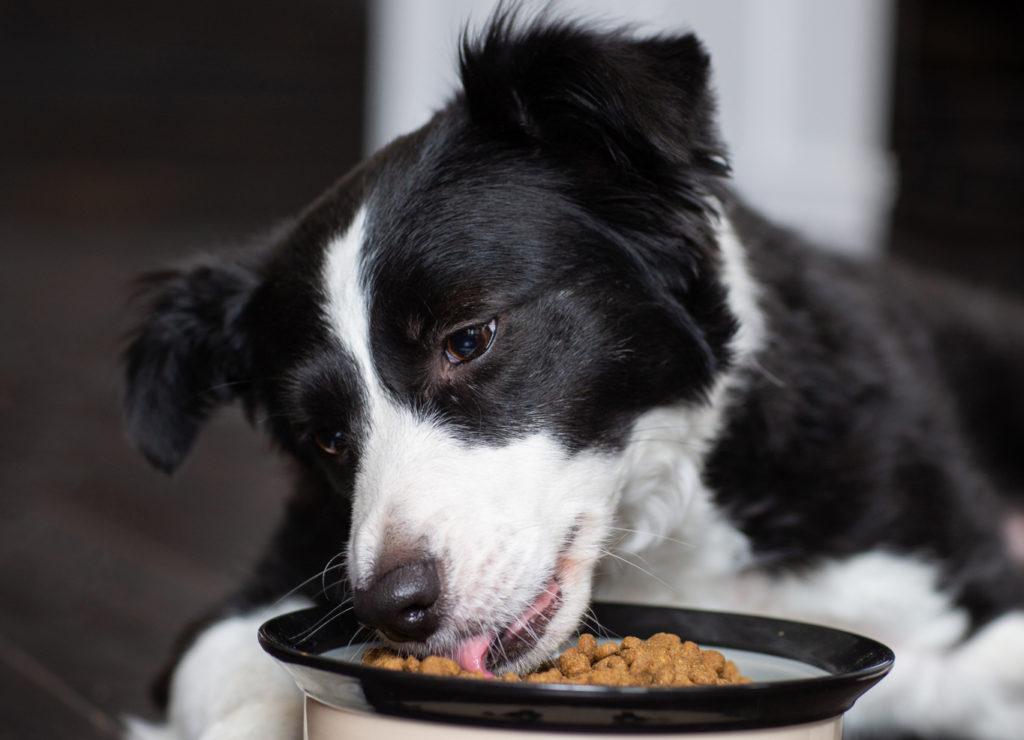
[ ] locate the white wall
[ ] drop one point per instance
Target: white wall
(802, 89)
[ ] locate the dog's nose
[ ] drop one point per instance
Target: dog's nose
(402, 602)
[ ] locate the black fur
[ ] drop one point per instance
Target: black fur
(565, 191)
(852, 438)
(191, 354)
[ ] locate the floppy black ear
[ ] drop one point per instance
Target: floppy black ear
(190, 353)
(642, 106)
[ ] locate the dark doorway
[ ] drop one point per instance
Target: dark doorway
(958, 133)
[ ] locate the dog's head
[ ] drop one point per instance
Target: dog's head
(460, 335)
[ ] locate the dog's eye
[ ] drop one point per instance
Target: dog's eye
(470, 342)
(331, 442)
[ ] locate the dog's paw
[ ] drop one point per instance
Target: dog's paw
(265, 720)
(974, 691)
(279, 720)
(140, 729)
(226, 687)
(998, 716)
(997, 651)
(993, 661)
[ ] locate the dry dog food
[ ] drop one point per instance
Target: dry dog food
(662, 660)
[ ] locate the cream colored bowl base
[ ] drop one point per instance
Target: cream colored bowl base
(327, 723)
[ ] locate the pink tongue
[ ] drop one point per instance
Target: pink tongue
(472, 653)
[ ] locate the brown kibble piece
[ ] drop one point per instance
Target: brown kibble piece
(611, 663)
(384, 658)
(582, 679)
(690, 650)
(702, 675)
(715, 661)
(434, 665)
(552, 675)
(573, 662)
(662, 660)
(587, 644)
(641, 661)
(371, 656)
(663, 640)
(664, 676)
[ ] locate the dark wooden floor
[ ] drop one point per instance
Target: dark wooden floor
(134, 134)
(101, 560)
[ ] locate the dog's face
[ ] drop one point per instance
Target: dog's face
(458, 337)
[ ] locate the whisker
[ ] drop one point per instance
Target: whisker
(680, 442)
(319, 574)
(328, 620)
(642, 570)
(300, 636)
(355, 635)
(330, 566)
(504, 652)
(347, 600)
(772, 378)
(655, 535)
(599, 628)
(638, 434)
(333, 614)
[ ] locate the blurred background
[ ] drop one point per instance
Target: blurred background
(136, 134)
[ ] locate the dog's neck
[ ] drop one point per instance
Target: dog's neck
(664, 502)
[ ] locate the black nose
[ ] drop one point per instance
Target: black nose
(402, 603)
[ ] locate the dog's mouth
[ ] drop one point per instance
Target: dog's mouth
(483, 652)
(493, 649)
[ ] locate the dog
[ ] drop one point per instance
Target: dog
(539, 351)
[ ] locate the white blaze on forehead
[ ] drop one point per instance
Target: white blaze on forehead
(347, 305)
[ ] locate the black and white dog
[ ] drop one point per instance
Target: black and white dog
(540, 331)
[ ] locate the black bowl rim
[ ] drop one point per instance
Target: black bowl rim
(275, 645)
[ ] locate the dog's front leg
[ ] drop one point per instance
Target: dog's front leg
(975, 690)
(225, 687)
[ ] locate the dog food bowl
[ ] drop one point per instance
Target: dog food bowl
(804, 677)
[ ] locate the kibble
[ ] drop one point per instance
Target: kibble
(662, 660)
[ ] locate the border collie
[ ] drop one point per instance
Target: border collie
(540, 339)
